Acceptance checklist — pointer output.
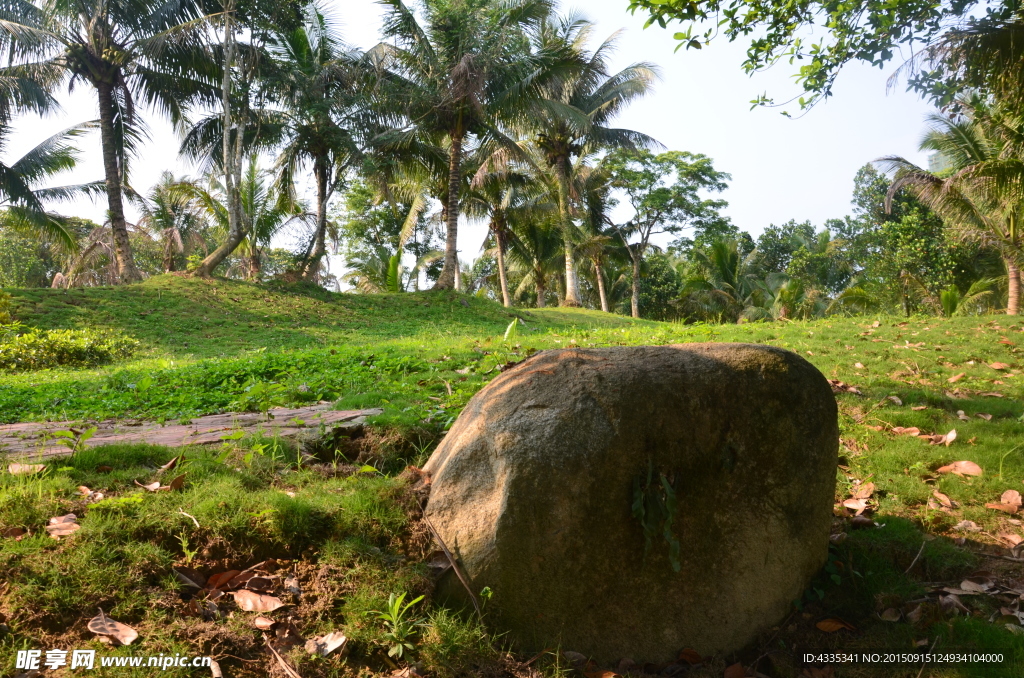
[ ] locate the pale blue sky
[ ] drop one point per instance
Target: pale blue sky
(782, 168)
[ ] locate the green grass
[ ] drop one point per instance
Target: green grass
(211, 346)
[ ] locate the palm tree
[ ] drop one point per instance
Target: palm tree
(721, 282)
(458, 74)
(572, 120)
(171, 211)
(983, 197)
(128, 50)
(21, 194)
(313, 77)
(535, 252)
(263, 213)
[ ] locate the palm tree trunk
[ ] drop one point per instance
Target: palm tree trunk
(572, 289)
(599, 274)
(1013, 291)
(254, 265)
(449, 272)
(635, 300)
(168, 253)
(498, 225)
(312, 265)
(126, 269)
(232, 152)
(541, 290)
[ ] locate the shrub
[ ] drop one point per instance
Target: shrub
(5, 307)
(22, 348)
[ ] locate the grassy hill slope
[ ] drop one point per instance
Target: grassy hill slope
(212, 346)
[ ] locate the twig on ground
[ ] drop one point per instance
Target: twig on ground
(189, 516)
(914, 561)
(458, 570)
(292, 673)
(923, 664)
(995, 555)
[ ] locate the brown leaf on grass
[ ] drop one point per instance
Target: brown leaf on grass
(942, 439)
(1010, 537)
(152, 487)
(103, 625)
(103, 468)
(256, 602)
(1005, 508)
(219, 580)
(324, 645)
(176, 484)
(982, 415)
(62, 526)
(874, 428)
(918, 408)
(890, 615)
(991, 394)
(690, 656)
(944, 500)
(908, 431)
(735, 671)
(999, 366)
(263, 624)
(962, 416)
(840, 387)
(863, 491)
(967, 526)
(15, 533)
(858, 505)
(961, 468)
(24, 469)
(859, 366)
(84, 491)
(1011, 497)
(956, 377)
(189, 577)
(895, 399)
(951, 603)
(833, 624)
(169, 465)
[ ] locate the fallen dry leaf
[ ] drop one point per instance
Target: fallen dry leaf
(735, 671)
(220, 580)
(943, 499)
(991, 394)
(15, 533)
(943, 439)
(918, 408)
(858, 505)
(961, 416)
(176, 483)
(967, 526)
(261, 584)
(102, 468)
(152, 487)
(256, 602)
(840, 387)
(1011, 497)
(325, 645)
(263, 624)
(999, 366)
(189, 577)
(951, 603)
(859, 366)
(863, 491)
(895, 399)
(890, 615)
(690, 656)
(1005, 508)
(105, 626)
(62, 526)
(833, 624)
(956, 377)
(982, 415)
(24, 469)
(1010, 537)
(860, 522)
(908, 431)
(961, 468)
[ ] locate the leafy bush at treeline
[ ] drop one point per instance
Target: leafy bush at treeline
(23, 348)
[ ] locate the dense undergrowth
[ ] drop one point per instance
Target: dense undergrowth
(352, 539)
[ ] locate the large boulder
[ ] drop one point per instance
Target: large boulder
(561, 470)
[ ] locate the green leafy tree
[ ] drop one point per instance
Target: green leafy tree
(153, 51)
(457, 71)
(664, 193)
(573, 119)
(170, 212)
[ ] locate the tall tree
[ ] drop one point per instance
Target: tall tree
(127, 50)
(459, 73)
(314, 80)
(171, 212)
(664, 194)
(572, 120)
(983, 197)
